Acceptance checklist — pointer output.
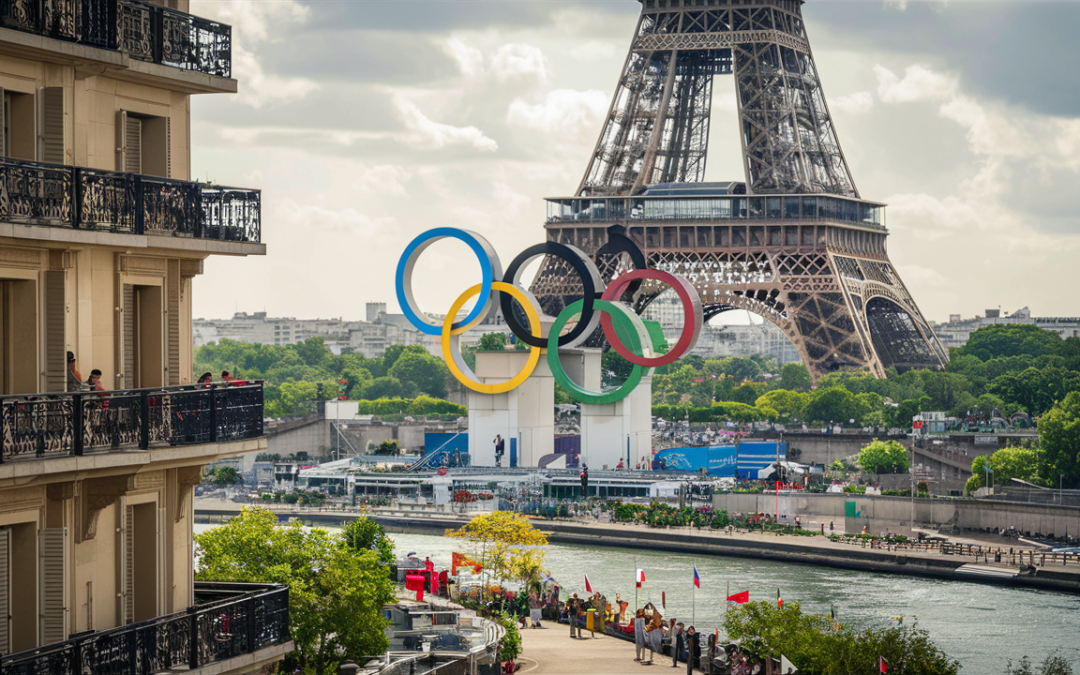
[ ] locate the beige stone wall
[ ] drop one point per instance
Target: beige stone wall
(92, 106)
(94, 276)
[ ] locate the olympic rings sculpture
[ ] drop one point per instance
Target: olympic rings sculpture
(599, 306)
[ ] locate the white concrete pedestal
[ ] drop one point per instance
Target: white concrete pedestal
(526, 414)
(607, 431)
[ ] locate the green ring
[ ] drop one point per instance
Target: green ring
(577, 392)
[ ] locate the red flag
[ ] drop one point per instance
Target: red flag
(779, 600)
(588, 587)
(640, 577)
(883, 664)
(740, 598)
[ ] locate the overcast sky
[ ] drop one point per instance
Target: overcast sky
(365, 123)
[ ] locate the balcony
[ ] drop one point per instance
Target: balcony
(230, 627)
(140, 30)
(73, 424)
(78, 198)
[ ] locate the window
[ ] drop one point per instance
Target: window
(20, 126)
(144, 144)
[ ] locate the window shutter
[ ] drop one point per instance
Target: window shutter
(53, 583)
(55, 343)
(127, 322)
(168, 147)
(3, 126)
(172, 322)
(127, 569)
(51, 147)
(5, 591)
(162, 547)
(133, 145)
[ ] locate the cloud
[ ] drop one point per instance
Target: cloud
(855, 104)
(919, 84)
(425, 134)
(253, 24)
(519, 61)
(562, 110)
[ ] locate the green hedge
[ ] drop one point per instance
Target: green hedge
(422, 405)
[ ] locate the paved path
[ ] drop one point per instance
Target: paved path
(551, 651)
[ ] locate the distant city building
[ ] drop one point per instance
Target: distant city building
(724, 341)
(370, 338)
(957, 331)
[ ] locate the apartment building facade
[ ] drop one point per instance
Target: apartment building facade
(101, 234)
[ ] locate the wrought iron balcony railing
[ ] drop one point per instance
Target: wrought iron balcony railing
(63, 424)
(143, 31)
(227, 621)
(34, 193)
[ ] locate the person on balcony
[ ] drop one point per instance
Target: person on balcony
(225, 376)
(74, 379)
(94, 381)
(206, 378)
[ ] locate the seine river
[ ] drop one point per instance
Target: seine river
(982, 626)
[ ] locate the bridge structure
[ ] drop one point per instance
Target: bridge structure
(792, 241)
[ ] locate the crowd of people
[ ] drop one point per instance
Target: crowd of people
(75, 382)
(654, 638)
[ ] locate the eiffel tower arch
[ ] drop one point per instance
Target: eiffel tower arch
(793, 242)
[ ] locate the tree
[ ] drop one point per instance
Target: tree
(788, 404)
(1054, 664)
(492, 342)
(382, 387)
(498, 538)
(795, 377)
(991, 342)
(336, 593)
(741, 368)
(1059, 441)
(818, 647)
(223, 475)
(387, 447)
(422, 373)
(364, 534)
(834, 404)
(883, 457)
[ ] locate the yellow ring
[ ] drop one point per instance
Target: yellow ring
(451, 337)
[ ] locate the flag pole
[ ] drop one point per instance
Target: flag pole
(636, 605)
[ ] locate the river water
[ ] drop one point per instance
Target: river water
(983, 626)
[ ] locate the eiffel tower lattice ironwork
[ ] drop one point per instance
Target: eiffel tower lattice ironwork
(794, 243)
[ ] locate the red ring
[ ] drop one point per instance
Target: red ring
(692, 317)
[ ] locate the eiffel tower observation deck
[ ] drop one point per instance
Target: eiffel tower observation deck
(793, 241)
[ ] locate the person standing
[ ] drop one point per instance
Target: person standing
(617, 609)
(676, 642)
(74, 378)
(584, 481)
(639, 635)
(500, 446)
(693, 650)
(573, 609)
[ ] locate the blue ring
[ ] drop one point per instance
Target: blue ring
(484, 254)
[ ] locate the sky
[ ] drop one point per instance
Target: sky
(368, 122)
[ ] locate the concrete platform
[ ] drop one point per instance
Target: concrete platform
(551, 651)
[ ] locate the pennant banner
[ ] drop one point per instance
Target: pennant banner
(740, 598)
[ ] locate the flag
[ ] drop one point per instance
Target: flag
(588, 586)
(640, 577)
(739, 598)
(697, 579)
(786, 667)
(663, 599)
(884, 666)
(779, 600)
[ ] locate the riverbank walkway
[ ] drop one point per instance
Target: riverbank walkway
(551, 651)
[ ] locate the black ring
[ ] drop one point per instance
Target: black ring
(559, 251)
(620, 243)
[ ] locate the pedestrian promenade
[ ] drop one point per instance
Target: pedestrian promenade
(551, 651)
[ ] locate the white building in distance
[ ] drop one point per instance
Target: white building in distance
(957, 331)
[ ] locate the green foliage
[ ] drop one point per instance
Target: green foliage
(223, 475)
(883, 457)
(364, 534)
(832, 404)
(492, 342)
(1054, 664)
(1059, 442)
(817, 647)
(510, 647)
(387, 447)
(421, 373)
(336, 593)
(1005, 464)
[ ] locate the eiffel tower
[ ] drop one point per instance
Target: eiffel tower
(794, 242)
